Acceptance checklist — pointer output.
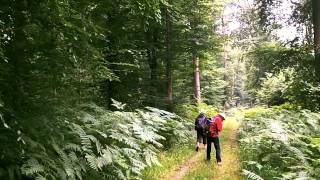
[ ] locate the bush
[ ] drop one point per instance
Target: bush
(286, 106)
(272, 89)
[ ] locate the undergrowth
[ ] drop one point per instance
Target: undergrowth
(280, 143)
(89, 142)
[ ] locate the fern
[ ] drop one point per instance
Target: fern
(32, 167)
(283, 144)
(40, 178)
(151, 157)
(118, 104)
(251, 175)
(72, 147)
(103, 144)
(92, 160)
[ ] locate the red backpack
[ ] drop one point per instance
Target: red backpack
(213, 129)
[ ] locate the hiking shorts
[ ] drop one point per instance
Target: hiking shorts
(201, 138)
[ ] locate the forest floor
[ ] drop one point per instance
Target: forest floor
(196, 166)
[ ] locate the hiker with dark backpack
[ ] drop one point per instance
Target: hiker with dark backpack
(200, 126)
(215, 128)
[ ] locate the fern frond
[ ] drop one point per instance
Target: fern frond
(132, 143)
(85, 140)
(251, 175)
(299, 154)
(151, 157)
(73, 147)
(40, 178)
(136, 166)
(256, 164)
(32, 167)
(118, 104)
(102, 134)
(73, 157)
(88, 118)
(95, 140)
(70, 173)
(92, 160)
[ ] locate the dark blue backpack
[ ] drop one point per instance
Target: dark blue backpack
(201, 122)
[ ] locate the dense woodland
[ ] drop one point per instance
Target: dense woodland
(95, 89)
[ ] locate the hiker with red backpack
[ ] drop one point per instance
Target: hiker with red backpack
(215, 128)
(199, 126)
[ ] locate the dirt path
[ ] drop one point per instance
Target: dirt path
(198, 168)
(184, 168)
(179, 171)
(231, 164)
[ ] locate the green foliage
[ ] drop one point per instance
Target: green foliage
(287, 106)
(98, 143)
(251, 175)
(280, 70)
(280, 143)
(277, 74)
(195, 38)
(254, 112)
(271, 57)
(213, 84)
(290, 85)
(191, 111)
(271, 92)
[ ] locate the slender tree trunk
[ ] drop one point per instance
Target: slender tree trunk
(153, 65)
(316, 28)
(225, 63)
(197, 90)
(168, 41)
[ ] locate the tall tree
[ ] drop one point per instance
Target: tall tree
(169, 54)
(197, 87)
(316, 28)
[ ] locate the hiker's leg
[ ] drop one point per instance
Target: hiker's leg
(198, 140)
(218, 150)
(204, 140)
(209, 141)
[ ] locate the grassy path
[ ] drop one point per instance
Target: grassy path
(186, 164)
(179, 172)
(198, 168)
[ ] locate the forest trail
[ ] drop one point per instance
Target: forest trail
(181, 170)
(196, 167)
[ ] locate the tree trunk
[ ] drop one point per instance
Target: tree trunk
(168, 42)
(153, 65)
(225, 63)
(316, 28)
(197, 90)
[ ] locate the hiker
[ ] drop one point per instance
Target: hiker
(215, 128)
(199, 124)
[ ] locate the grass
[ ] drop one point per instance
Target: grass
(170, 160)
